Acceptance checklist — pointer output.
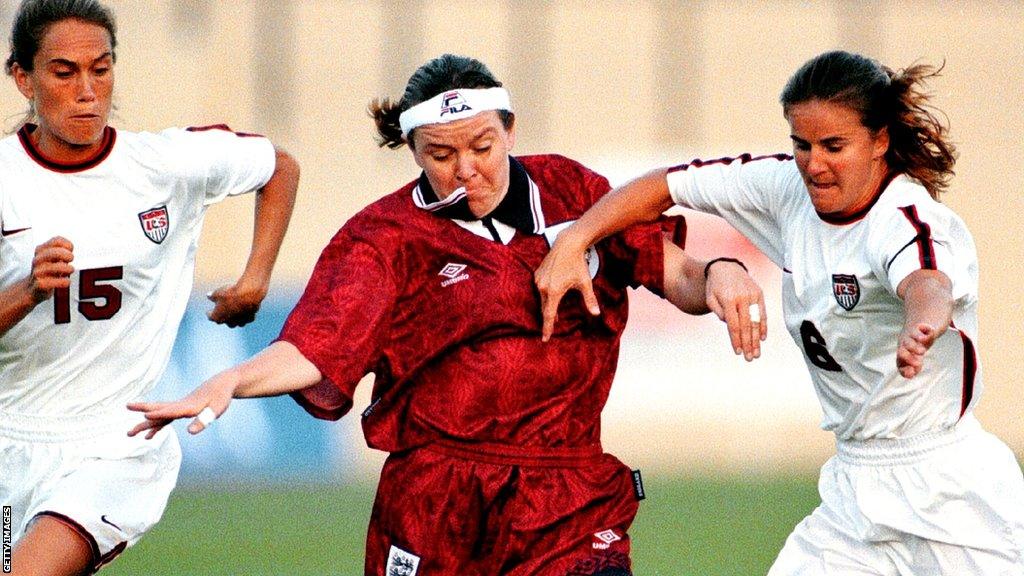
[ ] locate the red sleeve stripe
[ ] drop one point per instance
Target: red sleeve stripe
(925, 248)
(225, 128)
(743, 159)
(970, 371)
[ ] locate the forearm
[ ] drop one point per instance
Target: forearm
(641, 200)
(684, 282)
(927, 299)
(279, 369)
(16, 302)
(274, 205)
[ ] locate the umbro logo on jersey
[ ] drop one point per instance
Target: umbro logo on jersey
(401, 563)
(155, 223)
(846, 289)
(454, 273)
(605, 537)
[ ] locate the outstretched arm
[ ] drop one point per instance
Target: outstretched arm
(51, 270)
(236, 305)
(564, 268)
(928, 310)
(279, 369)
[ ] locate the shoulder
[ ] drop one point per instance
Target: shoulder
(555, 167)
(382, 221)
(566, 187)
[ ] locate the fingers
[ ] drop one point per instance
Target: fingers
(160, 414)
(745, 334)
(549, 311)
(231, 308)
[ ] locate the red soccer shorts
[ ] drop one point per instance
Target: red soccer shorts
(450, 511)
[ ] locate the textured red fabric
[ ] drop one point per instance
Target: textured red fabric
(480, 519)
(465, 360)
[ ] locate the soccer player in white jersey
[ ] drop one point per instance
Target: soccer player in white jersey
(880, 291)
(99, 232)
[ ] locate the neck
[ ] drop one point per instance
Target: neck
(59, 150)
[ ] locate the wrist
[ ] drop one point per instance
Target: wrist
(707, 267)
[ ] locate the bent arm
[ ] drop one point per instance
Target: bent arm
(728, 291)
(237, 305)
(51, 270)
(16, 301)
(928, 310)
(563, 269)
(279, 369)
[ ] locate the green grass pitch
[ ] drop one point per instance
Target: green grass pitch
(692, 526)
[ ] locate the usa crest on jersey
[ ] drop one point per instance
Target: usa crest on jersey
(155, 223)
(846, 289)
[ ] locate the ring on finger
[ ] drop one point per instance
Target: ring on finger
(755, 313)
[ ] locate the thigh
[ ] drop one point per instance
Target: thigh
(110, 497)
(572, 521)
(834, 538)
(52, 547)
(435, 515)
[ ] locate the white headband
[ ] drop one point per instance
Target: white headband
(454, 105)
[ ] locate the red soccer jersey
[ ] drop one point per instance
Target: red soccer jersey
(449, 321)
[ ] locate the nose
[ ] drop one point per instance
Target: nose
(86, 89)
(815, 161)
(465, 168)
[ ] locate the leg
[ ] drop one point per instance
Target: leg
(51, 547)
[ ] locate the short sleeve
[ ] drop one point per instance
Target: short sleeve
(747, 191)
(225, 163)
(919, 236)
(340, 323)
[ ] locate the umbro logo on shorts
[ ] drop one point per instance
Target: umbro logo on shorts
(401, 563)
(454, 273)
(606, 538)
(103, 519)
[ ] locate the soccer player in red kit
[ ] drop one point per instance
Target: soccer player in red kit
(495, 462)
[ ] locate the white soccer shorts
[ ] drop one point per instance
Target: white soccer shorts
(950, 503)
(87, 473)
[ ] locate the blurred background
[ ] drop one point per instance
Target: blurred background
(730, 449)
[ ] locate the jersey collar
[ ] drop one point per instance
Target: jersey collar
(841, 220)
(106, 145)
(520, 208)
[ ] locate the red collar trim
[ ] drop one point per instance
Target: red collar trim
(106, 146)
(858, 215)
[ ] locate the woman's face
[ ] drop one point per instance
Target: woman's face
(470, 153)
(842, 162)
(70, 87)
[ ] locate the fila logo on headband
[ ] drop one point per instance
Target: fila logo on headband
(453, 102)
(453, 105)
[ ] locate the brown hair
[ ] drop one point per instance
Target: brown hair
(446, 72)
(918, 144)
(35, 17)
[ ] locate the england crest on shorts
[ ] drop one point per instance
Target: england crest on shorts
(401, 563)
(155, 223)
(846, 289)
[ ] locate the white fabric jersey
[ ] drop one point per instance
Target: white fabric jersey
(133, 214)
(839, 290)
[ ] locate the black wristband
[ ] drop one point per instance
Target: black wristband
(707, 267)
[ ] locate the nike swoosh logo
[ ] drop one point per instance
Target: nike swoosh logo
(15, 231)
(105, 521)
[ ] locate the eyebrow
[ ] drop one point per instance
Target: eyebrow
(826, 141)
(484, 132)
(66, 62)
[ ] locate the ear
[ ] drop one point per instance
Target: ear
(881, 145)
(512, 131)
(23, 81)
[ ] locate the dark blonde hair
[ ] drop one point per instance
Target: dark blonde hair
(918, 141)
(447, 72)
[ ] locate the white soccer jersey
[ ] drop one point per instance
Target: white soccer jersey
(839, 290)
(133, 214)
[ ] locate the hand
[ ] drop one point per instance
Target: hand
(563, 269)
(51, 268)
(734, 297)
(915, 341)
(236, 305)
(216, 393)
